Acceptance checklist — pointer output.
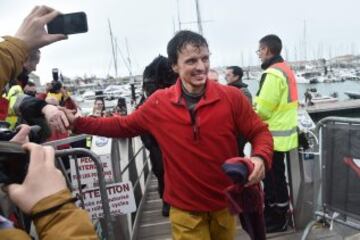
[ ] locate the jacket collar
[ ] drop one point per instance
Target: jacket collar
(210, 95)
(238, 83)
(272, 61)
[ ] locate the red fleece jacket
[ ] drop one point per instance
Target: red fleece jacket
(193, 150)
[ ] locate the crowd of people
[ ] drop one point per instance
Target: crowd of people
(190, 123)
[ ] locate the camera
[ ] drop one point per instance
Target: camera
(14, 162)
(238, 172)
(55, 74)
(14, 159)
(6, 134)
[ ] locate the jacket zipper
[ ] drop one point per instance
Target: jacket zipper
(195, 127)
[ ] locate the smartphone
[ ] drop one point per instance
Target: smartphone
(70, 23)
(14, 162)
(55, 74)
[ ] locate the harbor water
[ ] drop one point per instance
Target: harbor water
(325, 89)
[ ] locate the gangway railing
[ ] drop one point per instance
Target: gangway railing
(129, 162)
(336, 183)
(106, 224)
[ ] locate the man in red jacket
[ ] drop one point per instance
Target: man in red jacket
(196, 123)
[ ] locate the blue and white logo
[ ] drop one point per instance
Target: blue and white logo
(101, 141)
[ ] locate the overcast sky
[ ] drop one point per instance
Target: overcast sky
(232, 28)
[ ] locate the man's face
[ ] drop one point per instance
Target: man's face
(193, 66)
(99, 105)
(263, 53)
(230, 77)
(213, 76)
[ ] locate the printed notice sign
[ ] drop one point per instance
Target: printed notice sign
(87, 170)
(121, 199)
(86, 167)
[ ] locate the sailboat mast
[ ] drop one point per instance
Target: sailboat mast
(304, 42)
(199, 22)
(178, 14)
(113, 50)
(128, 57)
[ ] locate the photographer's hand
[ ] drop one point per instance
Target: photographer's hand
(32, 30)
(42, 180)
(22, 136)
(56, 118)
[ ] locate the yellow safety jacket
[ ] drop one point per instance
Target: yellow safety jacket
(11, 96)
(277, 104)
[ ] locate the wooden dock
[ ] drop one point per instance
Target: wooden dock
(347, 108)
(334, 106)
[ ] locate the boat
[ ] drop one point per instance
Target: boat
(114, 91)
(88, 95)
(324, 99)
(353, 95)
(301, 79)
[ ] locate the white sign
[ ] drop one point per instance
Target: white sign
(87, 170)
(101, 145)
(121, 199)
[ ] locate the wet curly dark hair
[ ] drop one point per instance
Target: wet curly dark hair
(158, 74)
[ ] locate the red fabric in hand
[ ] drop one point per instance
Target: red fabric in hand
(243, 199)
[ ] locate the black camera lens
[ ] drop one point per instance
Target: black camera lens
(14, 162)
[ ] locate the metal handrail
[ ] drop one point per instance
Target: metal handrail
(141, 173)
(325, 120)
(321, 213)
(74, 151)
(131, 160)
(68, 140)
(102, 185)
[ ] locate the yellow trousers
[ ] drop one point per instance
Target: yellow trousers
(217, 225)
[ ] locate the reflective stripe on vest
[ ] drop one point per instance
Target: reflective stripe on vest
(278, 107)
(290, 80)
(284, 133)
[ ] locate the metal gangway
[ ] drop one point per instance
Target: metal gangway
(130, 162)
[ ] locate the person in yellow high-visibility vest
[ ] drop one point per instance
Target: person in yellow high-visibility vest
(276, 103)
(17, 85)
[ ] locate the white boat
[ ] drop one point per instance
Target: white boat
(114, 91)
(324, 99)
(88, 95)
(301, 79)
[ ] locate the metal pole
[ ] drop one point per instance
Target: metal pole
(198, 17)
(113, 50)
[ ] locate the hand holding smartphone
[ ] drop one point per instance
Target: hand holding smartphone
(71, 23)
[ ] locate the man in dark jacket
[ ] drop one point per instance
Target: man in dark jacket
(157, 75)
(234, 76)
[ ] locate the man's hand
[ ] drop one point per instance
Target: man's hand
(42, 180)
(32, 30)
(258, 173)
(56, 118)
(70, 114)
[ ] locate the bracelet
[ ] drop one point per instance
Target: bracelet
(53, 209)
